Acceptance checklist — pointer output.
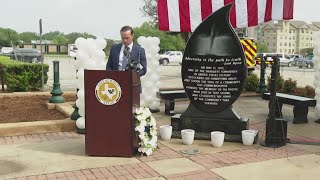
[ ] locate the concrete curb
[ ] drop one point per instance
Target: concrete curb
(36, 127)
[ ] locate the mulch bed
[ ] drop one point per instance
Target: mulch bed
(27, 108)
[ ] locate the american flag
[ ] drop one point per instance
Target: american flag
(186, 15)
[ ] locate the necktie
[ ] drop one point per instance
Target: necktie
(126, 52)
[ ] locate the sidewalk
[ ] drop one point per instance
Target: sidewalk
(61, 155)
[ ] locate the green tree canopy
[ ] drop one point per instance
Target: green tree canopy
(51, 35)
(7, 35)
(61, 40)
(26, 37)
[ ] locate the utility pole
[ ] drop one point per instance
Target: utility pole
(42, 72)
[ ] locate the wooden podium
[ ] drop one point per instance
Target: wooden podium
(110, 128)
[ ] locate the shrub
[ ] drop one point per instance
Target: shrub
(279, 82)
(310, 91)
(252, 83)
(289, 86)
(20, 76)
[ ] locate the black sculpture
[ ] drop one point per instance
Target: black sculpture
(213, 74)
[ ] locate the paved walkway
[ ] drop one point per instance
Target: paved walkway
(61, 155)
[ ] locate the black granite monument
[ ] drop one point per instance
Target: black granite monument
(213, 74)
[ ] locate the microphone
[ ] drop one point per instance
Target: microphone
(126, 51)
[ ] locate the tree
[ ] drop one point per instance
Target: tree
(60, 40)
(51, 35)
(71, 38)
(167, 41)
(26, 37)
(306, 51)
(149, 9)
(7, 36)
(262, 48)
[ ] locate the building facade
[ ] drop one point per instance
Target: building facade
(287, 36)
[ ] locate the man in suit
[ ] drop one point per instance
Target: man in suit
(127, 55)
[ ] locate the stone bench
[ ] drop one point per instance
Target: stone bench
(300, 106)
(169, 96)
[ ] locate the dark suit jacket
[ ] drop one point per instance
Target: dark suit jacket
(136, 53)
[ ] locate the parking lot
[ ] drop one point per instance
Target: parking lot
(170, 75)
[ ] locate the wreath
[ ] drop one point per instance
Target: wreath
(147, 130)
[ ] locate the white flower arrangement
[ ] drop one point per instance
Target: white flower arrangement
(146, 126)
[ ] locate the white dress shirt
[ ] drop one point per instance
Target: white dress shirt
(121, 55)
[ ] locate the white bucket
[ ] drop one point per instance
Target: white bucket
(217, 138)
(187, 136)
(165, 132)
(247, 137)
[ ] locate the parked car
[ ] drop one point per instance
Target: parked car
(171, 57)
(284, 58)
(306, 62)
(295, 57)
(25, 54)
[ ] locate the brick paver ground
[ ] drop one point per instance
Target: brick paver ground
(142, 170)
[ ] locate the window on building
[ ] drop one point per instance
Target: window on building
(274, 37)
(285, 37)
(307, 38)
(274, 31)
(281, 44)
(292, 50)
(310, 38)
(267, 43)
(307, 31)
(302, 30)
(285, 44)
(293, 37)
(302, 37)
(268, 31)
(289, 44)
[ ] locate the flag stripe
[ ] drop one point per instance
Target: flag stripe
(232, 13)
(217, 4)
(261, 11)
(242, 10)
(277, 9)
(267, 16)
(184, 16)
(163, 15)
(173, 14)
(288, 9)
(195, 13)
(206, 8)
(252, 7)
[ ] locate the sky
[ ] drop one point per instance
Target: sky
(102, 18)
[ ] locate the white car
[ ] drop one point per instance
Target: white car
(172, 57)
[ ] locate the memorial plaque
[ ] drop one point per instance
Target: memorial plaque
(213, 75)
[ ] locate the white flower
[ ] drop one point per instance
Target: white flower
(146, 126)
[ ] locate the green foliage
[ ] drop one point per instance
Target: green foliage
(279, 83)
(21, 76)
(252, 83)
(51, 35)
(61, 40)
(262, 48)
(289, 86)
(167, 41)
(7, 35)
(306, 51)
(26, 37)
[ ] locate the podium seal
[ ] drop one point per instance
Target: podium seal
(108, 92)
